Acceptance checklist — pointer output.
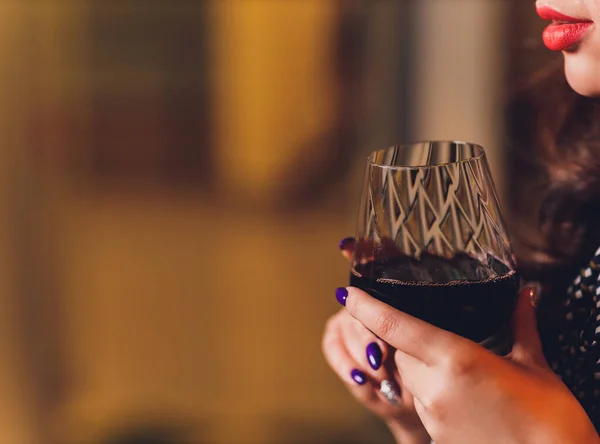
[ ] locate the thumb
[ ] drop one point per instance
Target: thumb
(527, 348)
(347, 246)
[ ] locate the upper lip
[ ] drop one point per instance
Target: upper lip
(548, 13)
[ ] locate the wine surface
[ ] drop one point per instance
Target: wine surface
(461, 294)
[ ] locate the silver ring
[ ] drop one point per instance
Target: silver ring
(388, 390)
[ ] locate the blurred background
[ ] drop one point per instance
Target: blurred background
(175, 177)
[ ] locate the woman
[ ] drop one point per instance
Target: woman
(426, 383)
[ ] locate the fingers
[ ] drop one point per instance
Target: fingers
(364, 363)
(528, 346)
(410, 335)
(343, 364)
(338, 356)
(366, 349)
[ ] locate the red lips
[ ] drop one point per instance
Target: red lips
(565, 32)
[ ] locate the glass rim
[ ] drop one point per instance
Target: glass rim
(478, 154)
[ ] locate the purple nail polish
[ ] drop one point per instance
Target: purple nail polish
(374, 355)
(359, 377)
(341, 294)
(345, 242)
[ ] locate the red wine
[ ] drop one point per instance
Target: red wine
(461, 294)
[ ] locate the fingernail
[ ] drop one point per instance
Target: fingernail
(374, 355)
(341, 294)
(359, 377)
(345, 243)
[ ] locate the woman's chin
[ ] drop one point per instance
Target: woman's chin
(583, 74)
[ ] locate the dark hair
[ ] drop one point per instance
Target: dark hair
(555, 169)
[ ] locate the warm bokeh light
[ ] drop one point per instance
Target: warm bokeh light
(175, 178)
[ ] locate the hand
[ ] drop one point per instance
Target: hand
(363, 361)
(464, 394)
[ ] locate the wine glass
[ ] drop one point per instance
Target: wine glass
(431, 240)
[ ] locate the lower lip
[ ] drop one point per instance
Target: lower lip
(562, 36)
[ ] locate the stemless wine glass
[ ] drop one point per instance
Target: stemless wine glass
(431, 240)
